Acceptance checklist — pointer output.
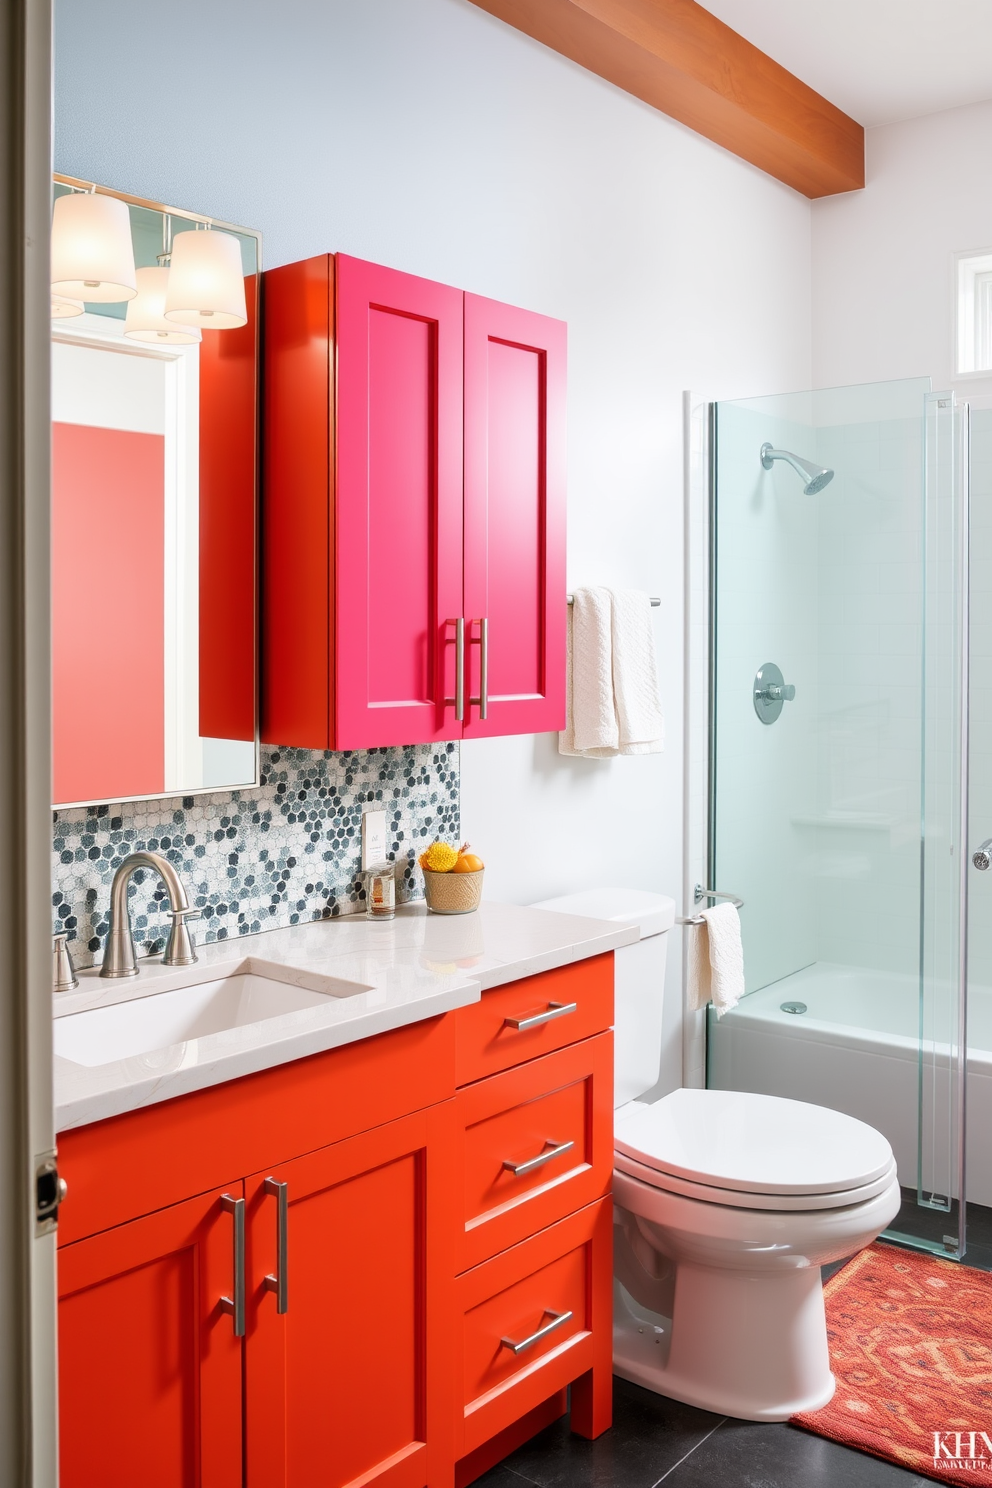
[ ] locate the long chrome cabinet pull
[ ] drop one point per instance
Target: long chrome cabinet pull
(459, 697)
(538, 1161)
(483, 643)
(236, 1307)
(558, 1320)
(280, 1282)
(554, 1010)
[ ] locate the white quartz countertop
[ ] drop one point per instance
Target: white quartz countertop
(345, 979)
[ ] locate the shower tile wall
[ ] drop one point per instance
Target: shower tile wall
(256, 859)
(865, 841)
(766, 611)
(818, 815)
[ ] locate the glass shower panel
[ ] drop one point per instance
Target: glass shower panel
(817, 802)
(979, 1042)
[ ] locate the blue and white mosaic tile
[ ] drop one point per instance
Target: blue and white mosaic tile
(256, 859)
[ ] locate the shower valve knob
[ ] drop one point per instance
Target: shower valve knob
(983, 857)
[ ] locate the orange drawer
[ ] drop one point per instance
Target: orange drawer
(533, 1319)
(537, 1144)
(531, 1017)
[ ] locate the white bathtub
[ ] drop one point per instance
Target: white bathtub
(856, 1048)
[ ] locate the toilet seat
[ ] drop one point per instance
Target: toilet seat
(707, 1193)
(768, 1151)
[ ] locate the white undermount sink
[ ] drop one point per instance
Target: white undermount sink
(148, 1023)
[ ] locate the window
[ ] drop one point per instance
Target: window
(974, 312)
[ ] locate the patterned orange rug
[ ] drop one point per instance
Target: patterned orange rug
(911, 1347)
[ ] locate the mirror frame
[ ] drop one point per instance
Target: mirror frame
(246, 232)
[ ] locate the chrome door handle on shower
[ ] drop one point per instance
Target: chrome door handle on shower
(983, 856)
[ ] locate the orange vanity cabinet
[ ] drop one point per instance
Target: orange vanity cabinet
(332, 1272)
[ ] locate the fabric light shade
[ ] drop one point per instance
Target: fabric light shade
(92, 257)
(63, 307)
(145, 319)
(206, 281)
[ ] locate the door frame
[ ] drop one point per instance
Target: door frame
(28, 1412)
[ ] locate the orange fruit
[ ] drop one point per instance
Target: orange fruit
(468, 863)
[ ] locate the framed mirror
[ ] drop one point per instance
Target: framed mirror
(154, 499)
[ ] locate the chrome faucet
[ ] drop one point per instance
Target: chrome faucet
(119, 959)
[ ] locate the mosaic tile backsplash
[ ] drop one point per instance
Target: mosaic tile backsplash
(255, 859)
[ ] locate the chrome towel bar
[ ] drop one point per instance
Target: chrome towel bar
(655, 602)
(700, 893)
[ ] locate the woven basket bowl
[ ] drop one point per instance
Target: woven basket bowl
(453, 893)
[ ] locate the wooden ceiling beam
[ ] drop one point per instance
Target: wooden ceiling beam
(679, 58)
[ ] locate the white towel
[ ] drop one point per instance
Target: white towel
(591, 726)
(716, 960)
(635, 675)
(611, 690)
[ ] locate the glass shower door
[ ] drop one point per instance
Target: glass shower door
(836, 782)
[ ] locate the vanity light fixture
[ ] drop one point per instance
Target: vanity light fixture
(145, 319)
(63, 307)
(206, 281)
(92, 256)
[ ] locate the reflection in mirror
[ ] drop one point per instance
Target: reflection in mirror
(154, 439)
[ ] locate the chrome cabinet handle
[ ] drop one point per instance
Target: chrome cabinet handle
(983, 856)
(236, 1307)
(482, 641)
(558, 1320)
(484, 668)
(538, 1162)
(554, 1010)
(459, 697)
(280, 1282)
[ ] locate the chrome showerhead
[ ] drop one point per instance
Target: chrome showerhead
(814, 477)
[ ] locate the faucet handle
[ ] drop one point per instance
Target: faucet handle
(181, 947)
(64, 976)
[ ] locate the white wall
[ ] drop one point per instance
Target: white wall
(426, 135)
(883, 281)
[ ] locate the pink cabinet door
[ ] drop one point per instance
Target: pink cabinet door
(514, 598)
(398, 549)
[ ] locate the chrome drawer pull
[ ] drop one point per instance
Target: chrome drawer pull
(236, 1307)
(558, 1320)
(554, 1010)
(280, 1282)
(538, 1161)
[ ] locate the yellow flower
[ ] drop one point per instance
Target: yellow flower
(439, 858)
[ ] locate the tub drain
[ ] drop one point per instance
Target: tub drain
(794, 1007)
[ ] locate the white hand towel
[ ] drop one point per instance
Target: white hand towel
(716, 960)
(591, 728)
(635, 675)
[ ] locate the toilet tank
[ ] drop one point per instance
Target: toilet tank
(640, 979)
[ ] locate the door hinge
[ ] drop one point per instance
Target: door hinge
(49, 1192)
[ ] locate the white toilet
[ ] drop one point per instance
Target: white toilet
(725, 1207)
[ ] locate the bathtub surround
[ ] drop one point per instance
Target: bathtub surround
(256, 860)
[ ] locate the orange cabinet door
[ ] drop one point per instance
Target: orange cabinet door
(537, 1143)
(536, 1318)
(150, 1369)
(349, 1384)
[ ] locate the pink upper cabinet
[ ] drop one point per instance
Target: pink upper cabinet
(514, 597)
(414, 488)
(399, 504)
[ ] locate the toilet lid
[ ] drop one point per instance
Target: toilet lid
(758, 1144)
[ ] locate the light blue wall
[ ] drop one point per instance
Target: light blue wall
(427, 135)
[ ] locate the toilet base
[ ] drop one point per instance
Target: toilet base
(770, 1360)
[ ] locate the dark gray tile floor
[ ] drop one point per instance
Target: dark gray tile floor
(655, 1440)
